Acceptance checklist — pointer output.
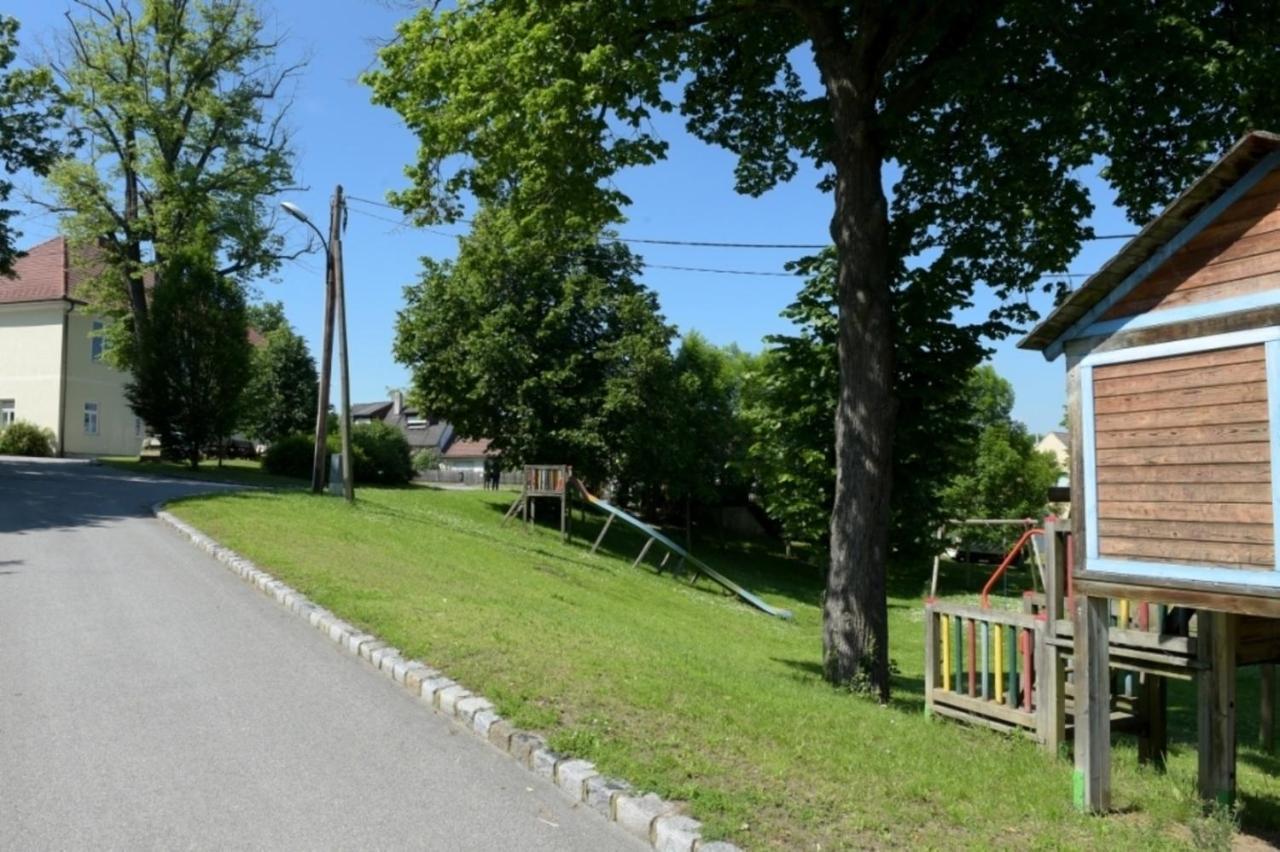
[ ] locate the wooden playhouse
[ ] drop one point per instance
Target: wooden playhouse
(1173, 374)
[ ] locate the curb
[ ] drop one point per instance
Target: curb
(644, 815)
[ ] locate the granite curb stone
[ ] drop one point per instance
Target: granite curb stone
(644, 815)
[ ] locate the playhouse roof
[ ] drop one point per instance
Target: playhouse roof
(1242, 157)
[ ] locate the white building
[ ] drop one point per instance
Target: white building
(52, 370)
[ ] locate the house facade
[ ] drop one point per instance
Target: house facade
(53, 370)
(422, 431)
(466, 456)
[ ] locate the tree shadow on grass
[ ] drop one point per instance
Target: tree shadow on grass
(906, 694)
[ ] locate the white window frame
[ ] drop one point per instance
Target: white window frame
(91, 413)
(8, 412)
(97, 342)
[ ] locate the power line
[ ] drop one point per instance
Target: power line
(401, 223)
(713, 243)
(643, 263)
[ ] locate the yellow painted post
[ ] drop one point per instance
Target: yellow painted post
(946, 653)
(999, 664)
(1124, 615)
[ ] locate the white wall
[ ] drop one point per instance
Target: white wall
(474, 465)
(95, 381)
(31, 360)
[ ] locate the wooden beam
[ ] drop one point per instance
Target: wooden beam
(644, 550)
(1267, 707)
(608, 521)
(1245, 600)
(1092, 781)
(1216, 705)
(1153, 706)
(930, 658)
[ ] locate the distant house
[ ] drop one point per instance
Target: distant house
(466, 455)
(52, 367)
(1058, 443)
(421, 431)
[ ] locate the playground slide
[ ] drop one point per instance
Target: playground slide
(742, 593)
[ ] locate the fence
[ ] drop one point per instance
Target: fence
(468, 477)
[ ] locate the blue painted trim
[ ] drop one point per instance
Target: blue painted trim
(1185, 313)
(1088, 427)
(1186, 346)
(1192, 573)
(1197, 224)
(1273, 416)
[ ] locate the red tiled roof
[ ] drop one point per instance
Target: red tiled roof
(464, 448)
(38, 276)
(257, 339)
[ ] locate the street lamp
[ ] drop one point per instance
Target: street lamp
(334, 301)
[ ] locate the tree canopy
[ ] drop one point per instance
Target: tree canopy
(181, 106)
(29, 115)
(281, 396)
(193, 362)
(991, 113)
(556, 358)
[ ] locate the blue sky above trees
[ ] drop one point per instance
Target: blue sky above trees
(342, 138)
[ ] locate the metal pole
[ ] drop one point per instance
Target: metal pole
(338, 211)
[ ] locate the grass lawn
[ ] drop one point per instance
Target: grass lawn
(241, 471)
(694, 695)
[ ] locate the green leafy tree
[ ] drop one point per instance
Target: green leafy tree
(281, 397)
(794, 395)
(194, 360)
(181, 107)
(29, 114)
(557, 358)
(989, 113)
(1008, 477)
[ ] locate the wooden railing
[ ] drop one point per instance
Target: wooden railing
(983, 665)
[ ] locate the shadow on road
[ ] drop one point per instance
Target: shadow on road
(42, 494)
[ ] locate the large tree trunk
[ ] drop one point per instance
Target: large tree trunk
(855, 616)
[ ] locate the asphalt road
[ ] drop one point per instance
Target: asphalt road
(151, 699)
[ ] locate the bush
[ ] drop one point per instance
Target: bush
(379, 453)
(26, 439)
(292, 455)
(426, 459)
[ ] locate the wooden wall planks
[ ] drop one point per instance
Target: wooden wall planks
(1239, 254)
(1183, 461)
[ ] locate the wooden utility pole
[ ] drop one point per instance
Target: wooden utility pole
(321, 456)
(337, 213)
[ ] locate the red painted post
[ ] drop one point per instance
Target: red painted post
(1144, 616)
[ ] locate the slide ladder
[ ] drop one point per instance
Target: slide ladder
(684, 555)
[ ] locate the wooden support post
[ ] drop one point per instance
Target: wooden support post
(1092, 780)
(644, 550)
(1267, 707)
(1216, 704)
(1053, 666)
(1153, 736)
(603, 530)
(930, 657)
(564, 513)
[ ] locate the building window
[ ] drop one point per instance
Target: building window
(91, 418)
(7, 413)
(98, 341)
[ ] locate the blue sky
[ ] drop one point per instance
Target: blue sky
(342, 138)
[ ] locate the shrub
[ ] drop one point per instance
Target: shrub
(425, 459)
(290, 456)
(26, 439)
(379, 453)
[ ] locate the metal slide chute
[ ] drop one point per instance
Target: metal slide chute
(699, 565)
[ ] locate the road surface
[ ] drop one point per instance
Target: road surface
(151, 699)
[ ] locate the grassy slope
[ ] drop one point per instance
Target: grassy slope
(242, 471)
(694, 695)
